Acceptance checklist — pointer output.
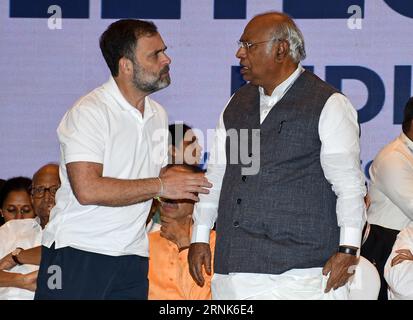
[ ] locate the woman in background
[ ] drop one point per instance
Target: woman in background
(15, 201)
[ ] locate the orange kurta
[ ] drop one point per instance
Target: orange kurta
(169, 277)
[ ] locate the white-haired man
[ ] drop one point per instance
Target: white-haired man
(280, 232)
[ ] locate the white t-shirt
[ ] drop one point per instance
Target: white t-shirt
(26, 234)
(103, 127)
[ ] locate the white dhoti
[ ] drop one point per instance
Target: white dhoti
(296, 284)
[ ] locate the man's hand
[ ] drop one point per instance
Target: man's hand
(199, 255)
(177, 231)
(341, 267)
(179, 184)
(7, 262)
(403, 254)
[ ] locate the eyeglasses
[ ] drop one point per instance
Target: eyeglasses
(40, 192)
(247, 45)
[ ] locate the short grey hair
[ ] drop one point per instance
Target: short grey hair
(288, 30)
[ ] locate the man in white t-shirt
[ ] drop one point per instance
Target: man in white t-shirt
(113, 146)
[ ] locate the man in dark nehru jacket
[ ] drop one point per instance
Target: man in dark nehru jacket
(292, 228)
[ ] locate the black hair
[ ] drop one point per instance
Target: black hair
(175, 138)
(14, 184)
(120, 40)
(408, 116)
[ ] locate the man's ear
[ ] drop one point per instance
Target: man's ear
(125, 66)
(1, 213)
(281, 50)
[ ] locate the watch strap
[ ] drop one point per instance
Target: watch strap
(14, 257)
(348, 250)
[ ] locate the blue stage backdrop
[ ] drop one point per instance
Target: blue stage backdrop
(363, 48)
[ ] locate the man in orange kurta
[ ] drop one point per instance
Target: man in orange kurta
(169, 277)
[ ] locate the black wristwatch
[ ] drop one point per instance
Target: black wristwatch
(15, 254)
(348, 250)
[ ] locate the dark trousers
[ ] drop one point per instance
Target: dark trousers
(68, 273)
(377, 250)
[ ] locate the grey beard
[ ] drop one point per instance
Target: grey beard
(153, 86)
(151, 83)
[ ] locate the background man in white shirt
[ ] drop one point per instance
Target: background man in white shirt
(113, 145)
(391, 174)
(390, 193)
(277, 232)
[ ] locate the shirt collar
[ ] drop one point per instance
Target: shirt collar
(113, 89)
(405, 139)
(283, 86)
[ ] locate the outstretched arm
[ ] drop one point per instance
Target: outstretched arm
(18, 280)
(91, 188)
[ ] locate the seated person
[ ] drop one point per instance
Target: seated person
(390, 192)
(45, 184)
(169, 277)
(15, 202)
(20, 239)
(391, 176)
(398, 271)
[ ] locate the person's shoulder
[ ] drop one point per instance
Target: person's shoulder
(392, 153)
(94, 100)
(92, 106)
(313, 78)
(154, 236)
(407, 234)
(246, 88)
